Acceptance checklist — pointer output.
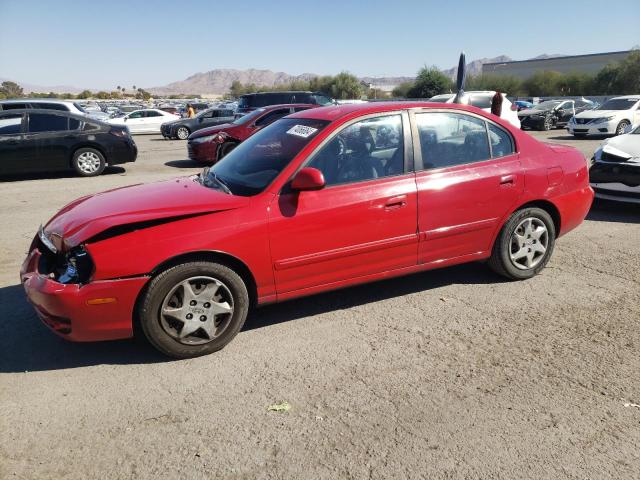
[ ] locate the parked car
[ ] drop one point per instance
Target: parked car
(322, 199)
(251, 101)
(50, 104)
(33, 140)
(482, 100)
(182, 128)
(615, 172)
(612, 117)
(211, 144)
(173, 110)
(552, 113)
(144, 121)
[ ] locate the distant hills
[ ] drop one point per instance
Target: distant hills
(218, 81)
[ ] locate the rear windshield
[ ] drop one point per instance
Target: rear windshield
(275, 98)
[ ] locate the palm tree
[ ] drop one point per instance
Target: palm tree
(118, 87)
(134, 88)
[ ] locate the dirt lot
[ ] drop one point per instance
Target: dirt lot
(445, 374)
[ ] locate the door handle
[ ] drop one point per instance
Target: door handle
(507, 180)
(395, 202)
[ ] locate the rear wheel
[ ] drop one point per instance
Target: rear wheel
(88, 162)
(182, 133)
(194, 309)
(524, 245)
(548, 123)
(622, 126)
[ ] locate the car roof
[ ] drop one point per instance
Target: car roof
(626, 97)
(36, 100)
(333, 112)
(79, 116)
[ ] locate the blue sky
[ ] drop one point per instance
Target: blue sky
(98, 44)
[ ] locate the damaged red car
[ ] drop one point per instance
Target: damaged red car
(321, 199)
(211, 144)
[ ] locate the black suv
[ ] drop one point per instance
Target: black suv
(34, 140)
(186, 126)
(251, 101)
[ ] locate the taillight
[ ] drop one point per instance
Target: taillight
(119, 133)
(514, 107)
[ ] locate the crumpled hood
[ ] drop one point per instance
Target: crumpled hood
(530, 111)
(203, 132)
(88, 216)
(623, 145)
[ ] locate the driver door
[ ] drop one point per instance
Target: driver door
(135, 121)
(363, 222)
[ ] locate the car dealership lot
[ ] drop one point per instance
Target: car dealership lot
(443, 374)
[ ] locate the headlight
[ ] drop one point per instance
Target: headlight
(77, 267)
(602, 119)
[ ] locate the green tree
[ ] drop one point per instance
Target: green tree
(429, 82)
(402, 90)
(572, 84)
(346, 86)
(503, 83)
(11, 89)
(102, 95)
(84, 94)
(543, 84)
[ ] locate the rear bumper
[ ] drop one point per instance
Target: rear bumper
(68, 311)
(124, 152)
(573, 208)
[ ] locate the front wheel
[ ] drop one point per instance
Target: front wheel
(194, 309)
(548, 123)
(88, 162)
(524, 245)
(182, 133)
(622, 126)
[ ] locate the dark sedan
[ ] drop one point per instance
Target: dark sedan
(184, 127)
(47, 140)
(552, 113)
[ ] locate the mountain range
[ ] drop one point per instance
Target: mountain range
(218, 81)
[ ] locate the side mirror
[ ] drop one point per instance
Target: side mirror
(308, 179)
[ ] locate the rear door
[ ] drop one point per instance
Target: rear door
(49, 141)
(469, 177)
(152, 121)
(12, 145)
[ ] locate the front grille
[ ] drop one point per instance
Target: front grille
(582, 121)
(580, 130)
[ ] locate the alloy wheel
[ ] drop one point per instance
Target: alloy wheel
(529, 243)
(183, 133)
(88, 162)
(197, 310)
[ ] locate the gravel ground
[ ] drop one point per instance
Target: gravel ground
(452, 373)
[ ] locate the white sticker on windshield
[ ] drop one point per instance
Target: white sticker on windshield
(302, 131)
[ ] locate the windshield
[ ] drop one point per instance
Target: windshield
(548, 105)
(618, 104)
(248, 117)
(77, 105)
(251, 167)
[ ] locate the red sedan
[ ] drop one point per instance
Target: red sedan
(211, 144)
(322, 199)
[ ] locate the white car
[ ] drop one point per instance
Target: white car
(51, 104)
(612, 117)
(615, 173)
(146, 120)
(482, 100)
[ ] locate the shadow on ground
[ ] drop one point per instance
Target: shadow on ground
(184, 164)
(27, 345)
(610, 211)
(19, 177)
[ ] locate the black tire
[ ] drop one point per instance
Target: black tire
(501, 262)
(161, 286)
(621, 127)
(182, 133)
(548, 123)
(225, 148)
(88, 162)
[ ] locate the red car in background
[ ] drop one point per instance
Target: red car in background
(323, 199)
(211, 144)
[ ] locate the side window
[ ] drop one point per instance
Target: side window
(74, 124)
(52, 106)
(300, 109)
(227, 113)
(366, 150)
(13, 106)
(272, 117)
(501, 142)
(481, 101)
(448, 139)
(43, 122)
(321, 100)
(136, 114)
(152, 113)
(10, 124)
(87, 127)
